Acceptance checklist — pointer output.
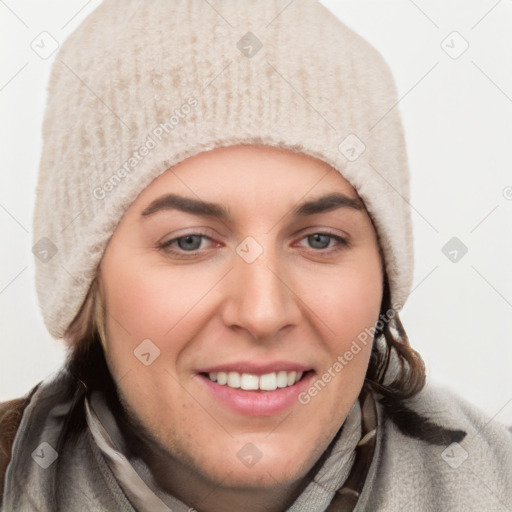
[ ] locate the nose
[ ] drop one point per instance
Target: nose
(261, 299)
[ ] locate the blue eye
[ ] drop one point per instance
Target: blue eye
(319, 240)
(188, 245)
(189, 242)
(322, 242)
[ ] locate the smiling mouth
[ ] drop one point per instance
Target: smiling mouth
(256, 383)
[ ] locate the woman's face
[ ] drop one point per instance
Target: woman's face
(231, 266)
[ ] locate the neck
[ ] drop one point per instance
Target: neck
(179, 478)
(194, 489)
(182, 479)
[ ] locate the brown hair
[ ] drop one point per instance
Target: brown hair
(391, 354)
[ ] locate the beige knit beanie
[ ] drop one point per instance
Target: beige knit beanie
(143, 85)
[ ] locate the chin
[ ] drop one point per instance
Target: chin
(258, 477)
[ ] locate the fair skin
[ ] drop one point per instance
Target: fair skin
(304, 299)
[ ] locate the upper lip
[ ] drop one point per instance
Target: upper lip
(257, 368)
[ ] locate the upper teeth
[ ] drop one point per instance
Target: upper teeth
(248, 381)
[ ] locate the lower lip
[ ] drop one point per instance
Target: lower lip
(258, 403)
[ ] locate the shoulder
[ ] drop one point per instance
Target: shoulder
(473, 474)
(447, 408)
(11, 414)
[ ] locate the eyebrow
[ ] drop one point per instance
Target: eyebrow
(322, 204)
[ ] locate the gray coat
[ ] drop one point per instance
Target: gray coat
(53, 471)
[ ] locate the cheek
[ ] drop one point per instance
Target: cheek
(348, 306)
(348, 300)
(147, 301)
(155, 302)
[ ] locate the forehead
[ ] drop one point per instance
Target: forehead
(250, 172)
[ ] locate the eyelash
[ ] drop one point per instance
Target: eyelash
(165, 246)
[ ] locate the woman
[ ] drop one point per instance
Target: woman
(227, 263)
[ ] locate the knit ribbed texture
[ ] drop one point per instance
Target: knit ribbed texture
(173, 78)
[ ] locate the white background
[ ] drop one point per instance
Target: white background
(458, 122)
